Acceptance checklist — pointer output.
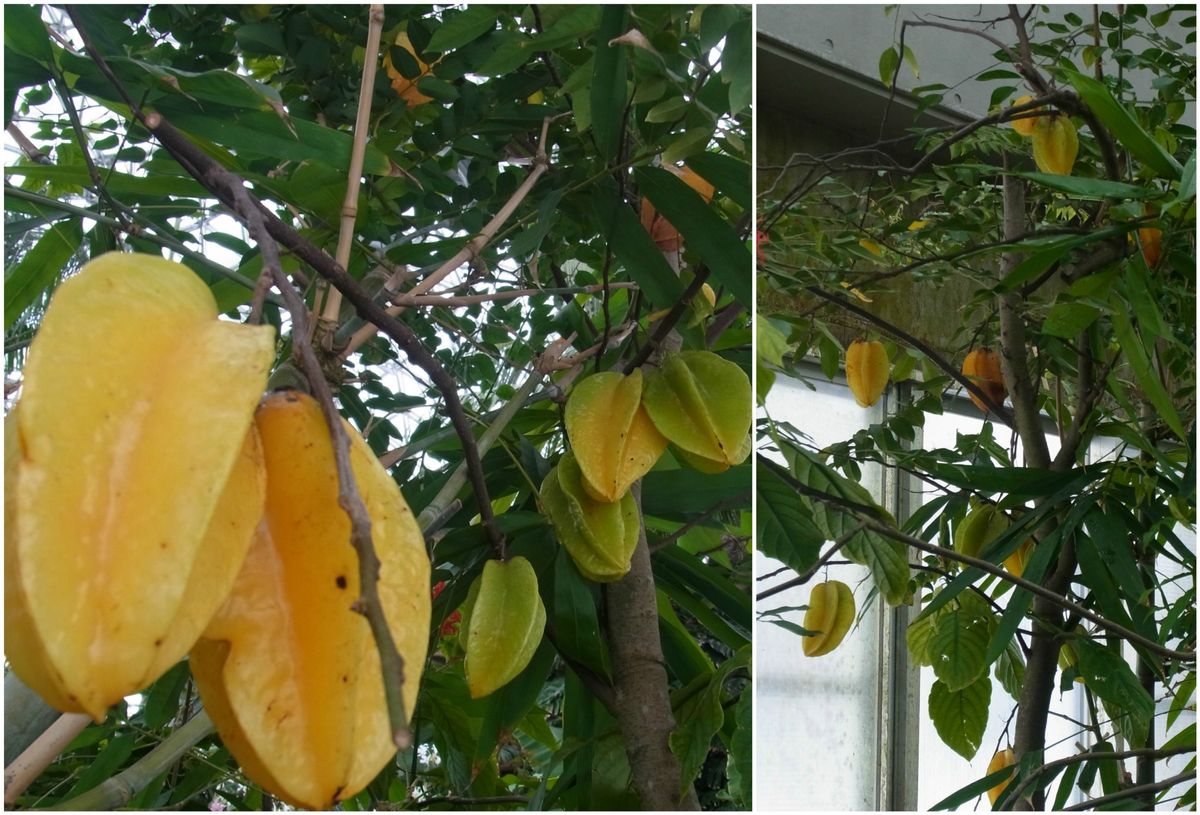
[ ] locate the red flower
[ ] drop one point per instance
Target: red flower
(450, 626)
(760, 240)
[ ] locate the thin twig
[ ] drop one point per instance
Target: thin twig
(800, 580)
(474, 247)
(865, 514)
(720, 506)
(1090, 756)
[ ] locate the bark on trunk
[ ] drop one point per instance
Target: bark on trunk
(640, 679)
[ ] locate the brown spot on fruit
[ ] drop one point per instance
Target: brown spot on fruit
(341, 581)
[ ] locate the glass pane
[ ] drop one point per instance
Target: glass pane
(816, 719)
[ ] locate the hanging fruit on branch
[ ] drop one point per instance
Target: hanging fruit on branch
(982, 366)
(133, 479)
(288, 669)
(701, 403)
(867, 371)
(612, 437)
(505, 625)
(1055, 144)
(830, 614)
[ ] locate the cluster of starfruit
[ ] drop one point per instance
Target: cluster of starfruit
(156, 504)
(618, 426)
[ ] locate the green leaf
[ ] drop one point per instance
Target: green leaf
(739, 766)
(693, 141)
(38, 270)
(509, 704)
(459, 29)
(162, 698)
(1113, 115)
(700, 715)
(609, 85)
(576, 624)
(680, 493)
(770, 344)
(919, 636)
(576, 23)
(960, 717)
(634, 248)
(25, 34)
(668, 110)
(1010, 669)
(684, 656)
(1143, 371)
(957, 648)
(109, 761)
(709, 581)
(737, 61)
(784, 529)
(1068, 320)
(728, 174)
(1110, 677)
(703, 231)
(1096, 188)
(886, 558)
(889, 60)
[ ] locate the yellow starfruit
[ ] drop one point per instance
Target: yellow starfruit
(1055, 144)
(405, 86)
(1002, 759)
(287, 669)
(613, 439)
(867, 371)
(505, 626)
(133, 479)
(830, 614)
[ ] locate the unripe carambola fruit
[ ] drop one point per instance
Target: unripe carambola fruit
(982, 525)
(1025, 126)
(505, 626)
(982, 366)
(599, 536)
(830, 612)
(1002, 759)
(701, 403)
(287, 669)
(133, 479)
(613, 439)
(867, 371)
(1068, 656)
(1055, 144)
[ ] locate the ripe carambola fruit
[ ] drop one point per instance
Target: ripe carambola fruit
(132, 476)
(406, 87)
(1025, 126)
(867, 371)
(505, 626)
(830, 612)
(1151, 240)
(1016, 562)
(661, 231)
(982, 366)
(1055, 144)
(287, 669)
(599, 536)
(1002, 759)
(613, 439)
(982, 525)
(701, 403)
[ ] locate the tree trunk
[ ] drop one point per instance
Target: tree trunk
(643, 700)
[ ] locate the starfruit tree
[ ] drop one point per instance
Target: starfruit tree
(1040, 259)
(378, 409)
